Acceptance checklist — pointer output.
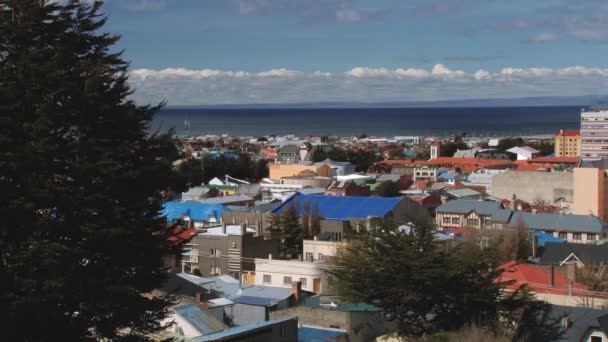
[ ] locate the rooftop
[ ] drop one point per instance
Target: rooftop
(342, 207)
(194, 210)
(240, 331)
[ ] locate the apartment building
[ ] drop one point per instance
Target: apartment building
(567, 143)
(594, 132)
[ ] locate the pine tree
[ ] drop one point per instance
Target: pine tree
(81, 181)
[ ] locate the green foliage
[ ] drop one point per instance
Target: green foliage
(81, 181)
(287, 228)
(543, 146)
(423, 285)
(387, 189)
(196, 172)
(395, 154)
(449, 149)
(508, 143)
(360, 158)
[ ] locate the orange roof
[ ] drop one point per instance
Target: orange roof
(555, 160)
(396, 162)
(569, 132)
(178, 235)
(534, 167)
(454, 161)
(536, 277)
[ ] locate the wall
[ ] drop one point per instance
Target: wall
(206, 261)
(278, 171)
(530, 186)
(254, 220)
(248, 314)
(302, 271)
(188, 330)
(316, 247)
(313, 182)
(590, 192)
(360, 325)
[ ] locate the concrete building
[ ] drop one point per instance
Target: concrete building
(282, 273)
(230, 249)
(435, 150)
(279, 171)
(317, 250)
(590, 192)
(550, 187)
(567, 143)
(594, 132)
(288, 154)
(337, 168)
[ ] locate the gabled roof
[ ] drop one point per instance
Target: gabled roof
(552, 221)
(486, 208)
(546, 323)
(536, 277)
(519, 149)
(196, 211)
(556, 253)
(333, 163)
(242, 331)
(342, 207)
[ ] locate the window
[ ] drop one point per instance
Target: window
(286, 280)
(215, 252)
(563, 235)
(309, 256)
(215, 271)
(303, 281)
(320, 256)
(267, 279)
(472, 222)
(455, 220)
(576, 236)
(446, 220)
(591, 237)
(596, 339)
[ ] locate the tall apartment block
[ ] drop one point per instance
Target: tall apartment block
(594, 132)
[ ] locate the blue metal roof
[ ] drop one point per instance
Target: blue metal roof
(199, 319)
(313, 334)
(342, 207)
(251, 300)
(543, 238)
(196, 211)
(236, 331)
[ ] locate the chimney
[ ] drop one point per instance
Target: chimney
(269, 256)
(197, 295)
(514, 203)
(223, 227)
(552, 276)
(243, 229)
(296, 290)
(444, 199)
(315, 238)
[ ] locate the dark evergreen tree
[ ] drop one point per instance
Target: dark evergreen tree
(292, 231)
(387, 189)
(423, 285)
(315, 220)
(81, 181)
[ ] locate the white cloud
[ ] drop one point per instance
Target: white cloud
(544, 37)
(181, 86)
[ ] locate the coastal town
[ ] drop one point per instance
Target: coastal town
(236, 278)
(347, 171)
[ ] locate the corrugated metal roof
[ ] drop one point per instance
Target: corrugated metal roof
(235, 331)
(549, 221)
(250, 300)
(196, 211)
(199, 319)
(342, 207)
(486, 208)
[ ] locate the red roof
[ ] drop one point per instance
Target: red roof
(178, 235)
(534, 167)
(536, 277)
(569, 132)
(555, 160)
(464, 161)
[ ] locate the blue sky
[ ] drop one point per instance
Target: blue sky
(267, 51)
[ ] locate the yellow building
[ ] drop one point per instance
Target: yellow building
(568, 143)
(590, 192)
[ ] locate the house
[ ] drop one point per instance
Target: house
(472, 213)
(464, 193)
(230, 249)
(565, 324)
(360, 321)
(288, 154)
(426, 172)
(551, 284)
(524, 152)
(493, 215)
(581, 255)
(347, 188)
(282, 273)
(279, 330)
(337, 168)
(355, 212)
(192, 320)
(193, 214)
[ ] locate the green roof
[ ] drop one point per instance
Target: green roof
(354, 307)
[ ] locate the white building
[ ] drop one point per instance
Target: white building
(282, 273)
(524, 152)
(594, 132)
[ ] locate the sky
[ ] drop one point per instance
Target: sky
(201, 52)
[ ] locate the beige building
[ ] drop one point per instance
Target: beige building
(282, 273)
(278, 171)
(568, 143)
(590, 192)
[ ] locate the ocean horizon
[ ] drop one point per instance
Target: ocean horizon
(423, 121)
